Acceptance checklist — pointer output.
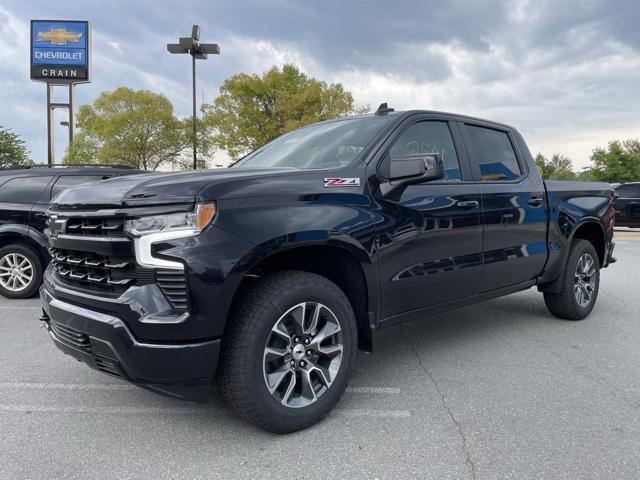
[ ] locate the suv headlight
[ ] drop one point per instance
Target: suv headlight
(187, 222)
(158, 228)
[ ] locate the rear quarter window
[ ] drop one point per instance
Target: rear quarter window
(23, 189)
(66, 181)
(628, 191)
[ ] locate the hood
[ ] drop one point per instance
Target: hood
(154, 188)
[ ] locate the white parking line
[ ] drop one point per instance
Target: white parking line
(66, 386)
(115, 386)
(20, 308)
(372, 413)
(381, 390)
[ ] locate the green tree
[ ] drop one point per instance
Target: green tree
(13, 150)
(618, 163)
(559, 167)
(128, 127)
(252, 110)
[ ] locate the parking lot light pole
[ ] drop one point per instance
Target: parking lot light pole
(198, 51)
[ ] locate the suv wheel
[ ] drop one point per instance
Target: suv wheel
(20, 271)
(289, 351)
(580, 283)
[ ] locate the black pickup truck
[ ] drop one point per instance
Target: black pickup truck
(269, 275)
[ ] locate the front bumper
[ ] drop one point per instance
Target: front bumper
(105, 343)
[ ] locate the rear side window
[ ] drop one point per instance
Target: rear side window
(628, 191)
(429, 137)
(493, 152)
(66, 181)
(23, 189)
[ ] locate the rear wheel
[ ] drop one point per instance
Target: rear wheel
(289, 352)
(20, 271)
(580, 283)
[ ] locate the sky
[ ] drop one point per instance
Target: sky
(566, 74)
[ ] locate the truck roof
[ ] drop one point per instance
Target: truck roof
(452, 116)
(43, 169)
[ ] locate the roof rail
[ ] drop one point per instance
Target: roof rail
(383, 109)
(57, 165)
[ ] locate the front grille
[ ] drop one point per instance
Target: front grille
(98, 273)
(95, 226)
(83, 268)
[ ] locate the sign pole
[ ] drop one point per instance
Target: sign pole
(72, 90)
(195, 136)
(51, 151)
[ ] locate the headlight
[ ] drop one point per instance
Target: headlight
(160, 228)
(187, 222)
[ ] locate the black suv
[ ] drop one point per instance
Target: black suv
(628, 205)
(25, 194)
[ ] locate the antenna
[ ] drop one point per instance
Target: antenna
(383, 109)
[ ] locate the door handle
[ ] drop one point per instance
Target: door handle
(468, 204)
(535, 201)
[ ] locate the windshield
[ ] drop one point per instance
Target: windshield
(324, 145)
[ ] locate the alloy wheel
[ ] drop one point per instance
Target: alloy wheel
(585, 280)
(16, 272)
(303, 354)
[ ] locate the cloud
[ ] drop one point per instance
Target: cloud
(565, 73)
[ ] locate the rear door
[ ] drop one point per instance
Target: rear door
(18, 196)
(514, 206)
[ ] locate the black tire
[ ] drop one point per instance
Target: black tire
(565, 305)
(260, 307)
(31, 288)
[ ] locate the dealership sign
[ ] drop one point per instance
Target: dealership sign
(60, 51)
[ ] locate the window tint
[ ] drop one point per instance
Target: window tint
(67, 181)
(23, 189)
(494, 153)
(628, 191)
(429, 137)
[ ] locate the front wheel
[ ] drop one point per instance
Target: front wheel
(580, 283)
(289, 351)
(20, 271)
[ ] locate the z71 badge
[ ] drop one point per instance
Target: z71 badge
(341, 182)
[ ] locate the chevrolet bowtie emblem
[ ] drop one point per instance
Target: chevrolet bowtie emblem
(59, 36)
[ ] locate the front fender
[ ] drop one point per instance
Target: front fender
(26, 231)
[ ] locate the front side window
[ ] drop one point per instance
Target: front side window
(324, 145)
(493, 152)
(428, 138)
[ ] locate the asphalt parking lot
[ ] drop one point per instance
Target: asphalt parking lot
(497, 390)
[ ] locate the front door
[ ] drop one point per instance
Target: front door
(429, 234)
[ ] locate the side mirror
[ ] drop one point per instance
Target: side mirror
(411, 169)
(416, 168)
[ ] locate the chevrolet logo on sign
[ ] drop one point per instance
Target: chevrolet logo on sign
(59, 36)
